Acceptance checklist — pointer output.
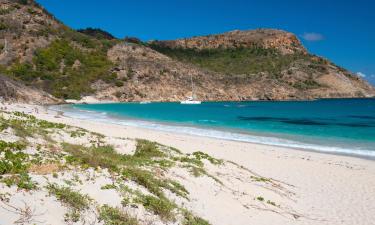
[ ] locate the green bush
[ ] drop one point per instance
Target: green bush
(4, 11)
(65, 83)
(14, 160)
(3, 26)
(244, 61)
(75, 201)
(114, 216)
(23, 2)
(160, 206)
(233, 61)
(119, 83)
(190, 219)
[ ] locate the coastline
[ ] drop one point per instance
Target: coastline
(293, 141)
(329, 188)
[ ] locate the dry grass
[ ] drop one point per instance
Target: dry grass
(44, 168)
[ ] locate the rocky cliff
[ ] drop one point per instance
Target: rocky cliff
(38, 50)
(285, 42)
(12, 91)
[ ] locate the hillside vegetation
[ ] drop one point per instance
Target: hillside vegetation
(63, 70)
(247, 61)
(40, 51)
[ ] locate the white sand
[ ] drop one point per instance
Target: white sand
(328, 189)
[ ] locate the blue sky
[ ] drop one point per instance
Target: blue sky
(342, 31)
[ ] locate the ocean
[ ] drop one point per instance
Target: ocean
(342, 126)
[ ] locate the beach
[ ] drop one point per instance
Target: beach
(316, 188)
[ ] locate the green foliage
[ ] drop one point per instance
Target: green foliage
(22, 2)
(107, 157)
(103, 156)
(31, 11)
(114, 216)
(189, 160)
(55, 65)
(271, 203)
(13, 160)
(82, 39)
(15, 163)
(78, 133)
(74, 200)
(147, 149)
(3, 126)
(201, 155)
(152, 183)
(119, 83)
(23, 71)
(234, 61)
(97, 33)
(24, 115)
(160, 206)
(4, 11)
(28, 126)
(21, 129)
(108, 186)
(260, 198)
(190, 219)
(49, 125)
(260, 179)
(306, 84)
(3, 26)
(23, 181)
(68, 196)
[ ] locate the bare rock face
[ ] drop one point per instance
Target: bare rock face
(150, 75)
(285, 42)
(12, 91)
(138, 72)
(25, 28)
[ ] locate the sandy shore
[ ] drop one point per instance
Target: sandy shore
(327, 189)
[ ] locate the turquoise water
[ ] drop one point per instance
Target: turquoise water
(343, 126)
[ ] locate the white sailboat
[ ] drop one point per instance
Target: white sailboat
(191, 100)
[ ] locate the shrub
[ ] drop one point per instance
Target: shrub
(160, 206)
(13, 161)
(23, 2)
(147, 149)
(190, 219)
(75, 201)
(3, 26)
(71, 82)
(114, 216)
(119, 83)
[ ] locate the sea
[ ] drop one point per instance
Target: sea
(338, 126)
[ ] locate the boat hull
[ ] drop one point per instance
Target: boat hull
(191, 102)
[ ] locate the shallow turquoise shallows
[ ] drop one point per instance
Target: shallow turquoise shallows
(344, 126)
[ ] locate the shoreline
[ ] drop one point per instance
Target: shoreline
(329, 188)
(221, 134)
(93, 100)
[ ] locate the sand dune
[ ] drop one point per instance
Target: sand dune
(306, 187)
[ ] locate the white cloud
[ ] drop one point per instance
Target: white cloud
(360, 74)
(313, 36)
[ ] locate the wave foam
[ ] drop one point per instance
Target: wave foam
(218, 134)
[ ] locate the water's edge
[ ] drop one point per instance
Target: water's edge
(70, 111)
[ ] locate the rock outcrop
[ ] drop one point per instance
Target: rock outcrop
(45, 54)
(285, 42)
(15, 91)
